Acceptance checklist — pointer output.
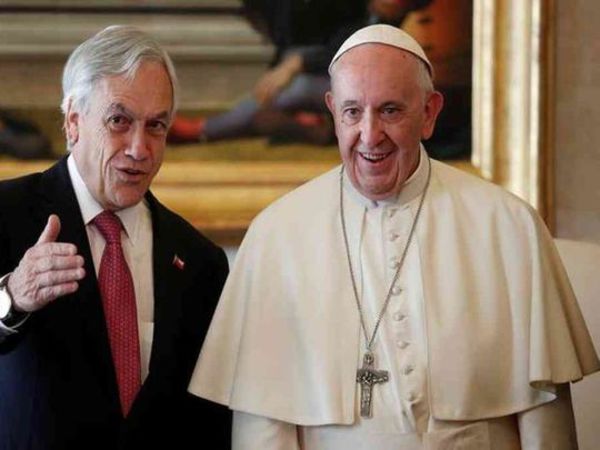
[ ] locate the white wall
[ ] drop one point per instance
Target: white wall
(578, 120)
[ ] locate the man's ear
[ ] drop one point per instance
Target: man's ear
(71, 124)
(433, 106)
(330, 103)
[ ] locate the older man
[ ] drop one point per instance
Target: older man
(395, 302)
(106, 294)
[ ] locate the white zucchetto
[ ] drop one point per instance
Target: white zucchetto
(383, 34)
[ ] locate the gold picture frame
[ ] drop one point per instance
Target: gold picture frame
(513, 44)
(513, 98)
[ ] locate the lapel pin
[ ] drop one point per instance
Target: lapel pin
(178, 262)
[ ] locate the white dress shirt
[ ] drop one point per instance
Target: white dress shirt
(136, 241)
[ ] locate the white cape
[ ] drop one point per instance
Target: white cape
(503, 325)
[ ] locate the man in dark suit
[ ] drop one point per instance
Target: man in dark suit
(105, 295)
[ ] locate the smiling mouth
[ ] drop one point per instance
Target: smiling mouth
(129, 175)
(374, 157)
(133, 172)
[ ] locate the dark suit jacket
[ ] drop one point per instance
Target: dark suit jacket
(57, 384)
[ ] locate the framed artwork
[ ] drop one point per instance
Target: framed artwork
(499, 59)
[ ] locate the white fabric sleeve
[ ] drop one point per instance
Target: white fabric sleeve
(251, 432)
(550, 426)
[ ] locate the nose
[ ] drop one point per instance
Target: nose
(138, 148)
(371, 130)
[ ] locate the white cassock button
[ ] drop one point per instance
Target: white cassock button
(408, 370)
(394, 263)
(399, 316)
(392, 236)
(396, 290)
(403, 344)
(391, 212)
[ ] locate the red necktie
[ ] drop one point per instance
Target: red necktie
(118, 299)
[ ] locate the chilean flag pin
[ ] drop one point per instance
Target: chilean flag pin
(178, 262)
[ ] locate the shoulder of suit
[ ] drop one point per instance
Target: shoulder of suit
(15, 191)
(182, 230)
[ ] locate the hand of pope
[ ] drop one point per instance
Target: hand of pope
(47, 271)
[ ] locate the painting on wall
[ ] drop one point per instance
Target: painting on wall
(445, 31)
(220, 54)
(284, 103)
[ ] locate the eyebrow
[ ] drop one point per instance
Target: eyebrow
(119, 107)
(396, 104)
(346, 103)
(399, 105)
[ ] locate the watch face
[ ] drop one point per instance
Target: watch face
(5, 303)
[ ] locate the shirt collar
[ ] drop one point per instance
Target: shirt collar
(411, 188)
(90, 208)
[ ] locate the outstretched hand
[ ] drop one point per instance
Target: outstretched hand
(47, 271)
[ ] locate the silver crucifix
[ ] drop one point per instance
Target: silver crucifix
(367, 376)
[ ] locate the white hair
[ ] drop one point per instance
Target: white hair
(425, 78)
(116, 50)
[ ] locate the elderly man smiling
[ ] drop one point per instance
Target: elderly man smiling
(106, 294)
(395, 303)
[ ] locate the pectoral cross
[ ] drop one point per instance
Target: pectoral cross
(367, 376)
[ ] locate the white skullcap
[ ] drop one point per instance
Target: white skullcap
(383, 34)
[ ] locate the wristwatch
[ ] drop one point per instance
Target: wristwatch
(6, 308)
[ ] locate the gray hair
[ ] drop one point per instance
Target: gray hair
(116, 50)
(425, 78)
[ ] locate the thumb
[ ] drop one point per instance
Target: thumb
(51, 231)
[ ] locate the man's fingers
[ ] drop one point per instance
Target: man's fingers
(51, 231)
(52, 249)
(59, 277)
(50, 293)
(54, 262)
(48, 270)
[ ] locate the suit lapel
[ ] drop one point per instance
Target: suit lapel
(168, 278)
(87, 321)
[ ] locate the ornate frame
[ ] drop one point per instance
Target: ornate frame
(513, 97)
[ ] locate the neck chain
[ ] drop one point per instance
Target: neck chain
(367, 376)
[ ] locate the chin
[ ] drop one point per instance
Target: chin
(378, 196)
(127, 200)
(372, 193)
(378, 191)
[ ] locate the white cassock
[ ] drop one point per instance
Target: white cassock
(481, 331)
